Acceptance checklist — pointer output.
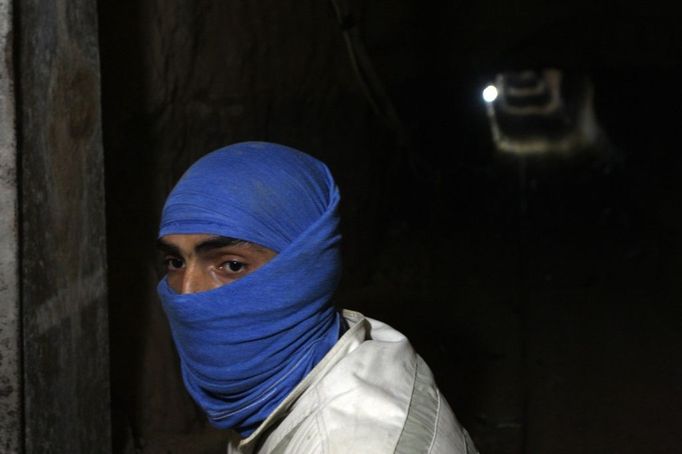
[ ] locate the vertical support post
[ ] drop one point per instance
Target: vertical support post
(63, 250)
(10, 324)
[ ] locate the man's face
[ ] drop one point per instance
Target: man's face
(199, 262)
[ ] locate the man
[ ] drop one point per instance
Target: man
(251, 241)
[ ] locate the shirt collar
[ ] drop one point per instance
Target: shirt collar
(356, 334)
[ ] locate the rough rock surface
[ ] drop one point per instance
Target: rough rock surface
(186, 77)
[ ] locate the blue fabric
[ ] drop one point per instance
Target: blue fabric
(244, 346)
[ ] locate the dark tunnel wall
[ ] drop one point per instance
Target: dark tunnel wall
(187, 77)
(542, 291)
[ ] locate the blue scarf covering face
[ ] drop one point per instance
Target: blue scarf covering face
(244, 346)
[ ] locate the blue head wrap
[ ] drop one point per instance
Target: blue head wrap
(244, 346)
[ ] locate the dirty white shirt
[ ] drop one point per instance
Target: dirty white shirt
(370, 394)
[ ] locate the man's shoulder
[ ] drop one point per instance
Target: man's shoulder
(359, 393)
(378, 397)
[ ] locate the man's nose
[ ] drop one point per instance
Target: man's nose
(195, 280)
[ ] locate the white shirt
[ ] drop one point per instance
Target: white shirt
(370, 394)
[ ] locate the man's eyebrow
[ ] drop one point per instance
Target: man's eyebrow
(167, 248)
(217, 243)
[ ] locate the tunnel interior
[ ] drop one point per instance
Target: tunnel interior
(542, 290)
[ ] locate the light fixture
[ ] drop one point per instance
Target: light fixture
(490, 93)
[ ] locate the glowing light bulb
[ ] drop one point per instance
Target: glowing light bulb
(489, 93)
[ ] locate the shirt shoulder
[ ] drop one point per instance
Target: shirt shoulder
(377, 397)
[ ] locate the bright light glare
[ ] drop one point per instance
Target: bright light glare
(489, 93)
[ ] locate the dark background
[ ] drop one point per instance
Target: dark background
(543, 292)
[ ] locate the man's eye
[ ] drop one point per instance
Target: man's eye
(173, 264)
(233, 266)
